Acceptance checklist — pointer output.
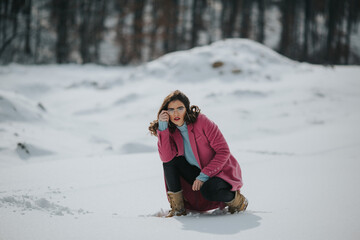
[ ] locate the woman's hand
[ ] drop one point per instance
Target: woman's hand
(164, 116)
(197, 185)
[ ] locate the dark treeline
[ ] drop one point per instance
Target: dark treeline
(133, 31)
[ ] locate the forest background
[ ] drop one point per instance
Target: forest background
(125, 32)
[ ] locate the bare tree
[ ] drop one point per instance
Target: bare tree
(27, 12)
(261, 21)
(246, 6)
(91, 15)
(60, 11)
(197, 21)
(230, 10)
(287, 41)
(307, 19)
(122, 35)
(138, 23)
(353, 13)
(10, 10)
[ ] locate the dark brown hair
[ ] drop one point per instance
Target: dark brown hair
(192, 112)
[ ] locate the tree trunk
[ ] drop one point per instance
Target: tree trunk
(234, 7)
(198, 6)
(245, 19)
(182, 43)
(224, 18)
(154, 28)
(62, 45)
(228, 17)
(261, 21)
(11, 10)
(28, 27)
(85, 15)
(137, 28)
(331, 26)
(37, 39)
(174, 38)
(307, 21)
(123, 39)
(99, 27)
(170, 12)
(288, 22)
(353, 10)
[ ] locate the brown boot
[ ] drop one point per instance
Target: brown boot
(238, 204)
(177, 204)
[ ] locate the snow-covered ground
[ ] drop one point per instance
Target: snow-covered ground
(77, 161)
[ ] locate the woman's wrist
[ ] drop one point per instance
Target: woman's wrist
(202, 177)
(163, 125)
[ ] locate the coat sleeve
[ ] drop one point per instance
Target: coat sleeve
(218, 144)
(166, 145)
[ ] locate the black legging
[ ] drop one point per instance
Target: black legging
(214, 189)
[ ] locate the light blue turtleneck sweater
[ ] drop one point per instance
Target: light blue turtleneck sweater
(189, 155)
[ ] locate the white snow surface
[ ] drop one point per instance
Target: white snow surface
(77, 161)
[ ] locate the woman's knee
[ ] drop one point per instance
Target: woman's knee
(211, 189)
(208, 191)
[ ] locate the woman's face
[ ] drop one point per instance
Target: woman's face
(176, 110)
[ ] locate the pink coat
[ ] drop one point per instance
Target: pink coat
(211, 152)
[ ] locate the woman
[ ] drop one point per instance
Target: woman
(200, 172)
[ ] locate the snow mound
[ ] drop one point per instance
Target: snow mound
(127, 98)
(133, 147)
(25, 151)
(15, 107)
(28, 203)
(239, 93)
(230, 59)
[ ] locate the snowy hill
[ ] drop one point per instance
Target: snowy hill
(228, 60)
(77, 161)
